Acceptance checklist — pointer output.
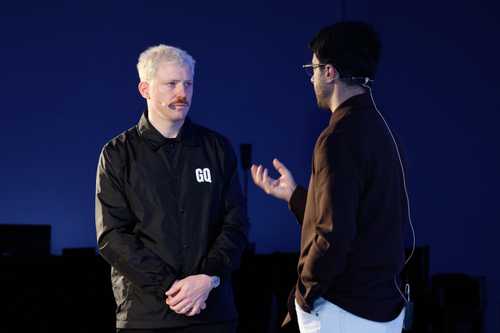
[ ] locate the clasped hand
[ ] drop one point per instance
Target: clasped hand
(188, 296)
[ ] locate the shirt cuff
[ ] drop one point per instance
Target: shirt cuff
(297, 203)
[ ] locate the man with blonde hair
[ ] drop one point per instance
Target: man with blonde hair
(170, 216)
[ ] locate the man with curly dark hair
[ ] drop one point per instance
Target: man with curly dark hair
(355, 209)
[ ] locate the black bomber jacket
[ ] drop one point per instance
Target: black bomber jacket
(157, 223)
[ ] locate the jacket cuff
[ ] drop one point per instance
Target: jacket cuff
(165, 285)
(211, 268)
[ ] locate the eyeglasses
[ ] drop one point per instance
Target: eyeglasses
(309, 68)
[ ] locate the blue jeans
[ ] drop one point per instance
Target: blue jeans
(327, 317)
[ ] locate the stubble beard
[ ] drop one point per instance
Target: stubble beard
(322, 98)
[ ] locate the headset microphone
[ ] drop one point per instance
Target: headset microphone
(364, 81)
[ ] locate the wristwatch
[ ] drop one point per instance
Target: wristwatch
(214, 281)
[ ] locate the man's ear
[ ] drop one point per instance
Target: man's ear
(144, 89)
(331, 74)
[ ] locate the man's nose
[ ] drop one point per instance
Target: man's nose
(181, 90)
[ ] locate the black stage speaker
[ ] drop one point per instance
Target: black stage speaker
(79, 252)
(24, 240)
(246, 155)
(458, 303)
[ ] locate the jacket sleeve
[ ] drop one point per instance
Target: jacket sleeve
(115, 223)
(225, 254)
(297, 203)
(337, 178)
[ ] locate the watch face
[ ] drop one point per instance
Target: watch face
(215, 281)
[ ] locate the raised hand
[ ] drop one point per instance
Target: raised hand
(281, 188)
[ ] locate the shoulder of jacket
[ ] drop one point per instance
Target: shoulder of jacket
(116, 146)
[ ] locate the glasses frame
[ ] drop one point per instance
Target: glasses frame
(309, 68)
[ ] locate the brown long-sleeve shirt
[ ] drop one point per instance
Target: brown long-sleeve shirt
(353, 216)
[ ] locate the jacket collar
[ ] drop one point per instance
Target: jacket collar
(187, 135)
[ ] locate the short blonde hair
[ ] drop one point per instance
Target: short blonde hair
(151, 58)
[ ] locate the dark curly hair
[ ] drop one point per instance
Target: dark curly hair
(353, 48)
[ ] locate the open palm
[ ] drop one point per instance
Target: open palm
(281, 188)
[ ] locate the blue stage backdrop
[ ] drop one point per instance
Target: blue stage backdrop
(69, 85)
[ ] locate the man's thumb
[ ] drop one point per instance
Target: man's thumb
(279, 166)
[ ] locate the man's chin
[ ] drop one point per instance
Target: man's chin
(178, 118)
(177, 114)
(322, 106)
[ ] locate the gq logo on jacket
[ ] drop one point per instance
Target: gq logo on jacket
(203, 175)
